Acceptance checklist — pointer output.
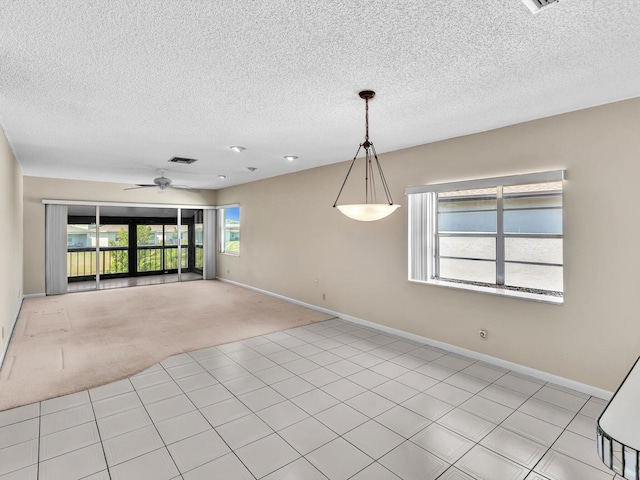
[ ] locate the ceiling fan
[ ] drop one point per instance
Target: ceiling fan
(162, 183)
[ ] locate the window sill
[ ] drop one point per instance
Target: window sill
(536, 297)
(230, 254)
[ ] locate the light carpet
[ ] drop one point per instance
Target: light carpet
(66, 343)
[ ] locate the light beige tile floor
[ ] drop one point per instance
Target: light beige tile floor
(332, 400)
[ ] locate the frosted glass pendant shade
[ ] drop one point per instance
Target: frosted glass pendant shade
(367, 212)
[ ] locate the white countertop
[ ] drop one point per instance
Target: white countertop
(621, 418)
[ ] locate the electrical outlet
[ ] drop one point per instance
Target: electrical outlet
(324, 296)
(483, 334)
(316, 282)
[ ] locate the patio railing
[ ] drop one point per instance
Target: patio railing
(81, 262)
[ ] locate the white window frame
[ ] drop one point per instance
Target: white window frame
(422, 258)
(222, 230)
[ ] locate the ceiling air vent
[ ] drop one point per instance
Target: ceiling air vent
(538, 5)
(183, 161)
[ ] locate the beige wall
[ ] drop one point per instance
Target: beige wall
(291, 236)
(10, 240)
(36, 189)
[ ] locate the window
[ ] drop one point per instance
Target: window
(229, 221)
(501, 235)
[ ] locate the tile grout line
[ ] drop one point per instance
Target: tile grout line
(354, 339)
(387, 378)
(405, 439)
(99, 433)
(294, 375)
(39, 437)
(206, 419)
(477, 444)
(343, 377)
(408, 352)
(144, 406)
(313, 416)
(459, 406)
(255, 413)
(556, 441)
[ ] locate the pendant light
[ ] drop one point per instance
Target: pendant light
(370, 210)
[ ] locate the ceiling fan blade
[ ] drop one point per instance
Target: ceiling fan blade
(140, 186)
(184, 187)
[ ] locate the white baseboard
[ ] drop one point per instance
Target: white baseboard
(515, 367)
(10, 333)
(34, 295)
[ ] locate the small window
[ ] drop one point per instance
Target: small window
(501, 235)
(229, 218)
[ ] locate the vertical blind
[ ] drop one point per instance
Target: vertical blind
(55, 249)
(209, 245)
(420, 239)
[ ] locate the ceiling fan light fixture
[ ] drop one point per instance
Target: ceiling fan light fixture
(162, 183)
(536, 6)
(237, 148)
(371, 209)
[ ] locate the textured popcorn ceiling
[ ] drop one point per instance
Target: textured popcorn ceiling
(110, 90)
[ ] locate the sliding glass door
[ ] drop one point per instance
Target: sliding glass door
(191, 244)
(83, 261)
(113, 242)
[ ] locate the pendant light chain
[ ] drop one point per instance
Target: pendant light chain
(370, 210)
(367, 156)
(366, 121)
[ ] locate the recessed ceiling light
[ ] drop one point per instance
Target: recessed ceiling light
(222, 177)
(291, 158)
(252, 169)
(237, 148)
